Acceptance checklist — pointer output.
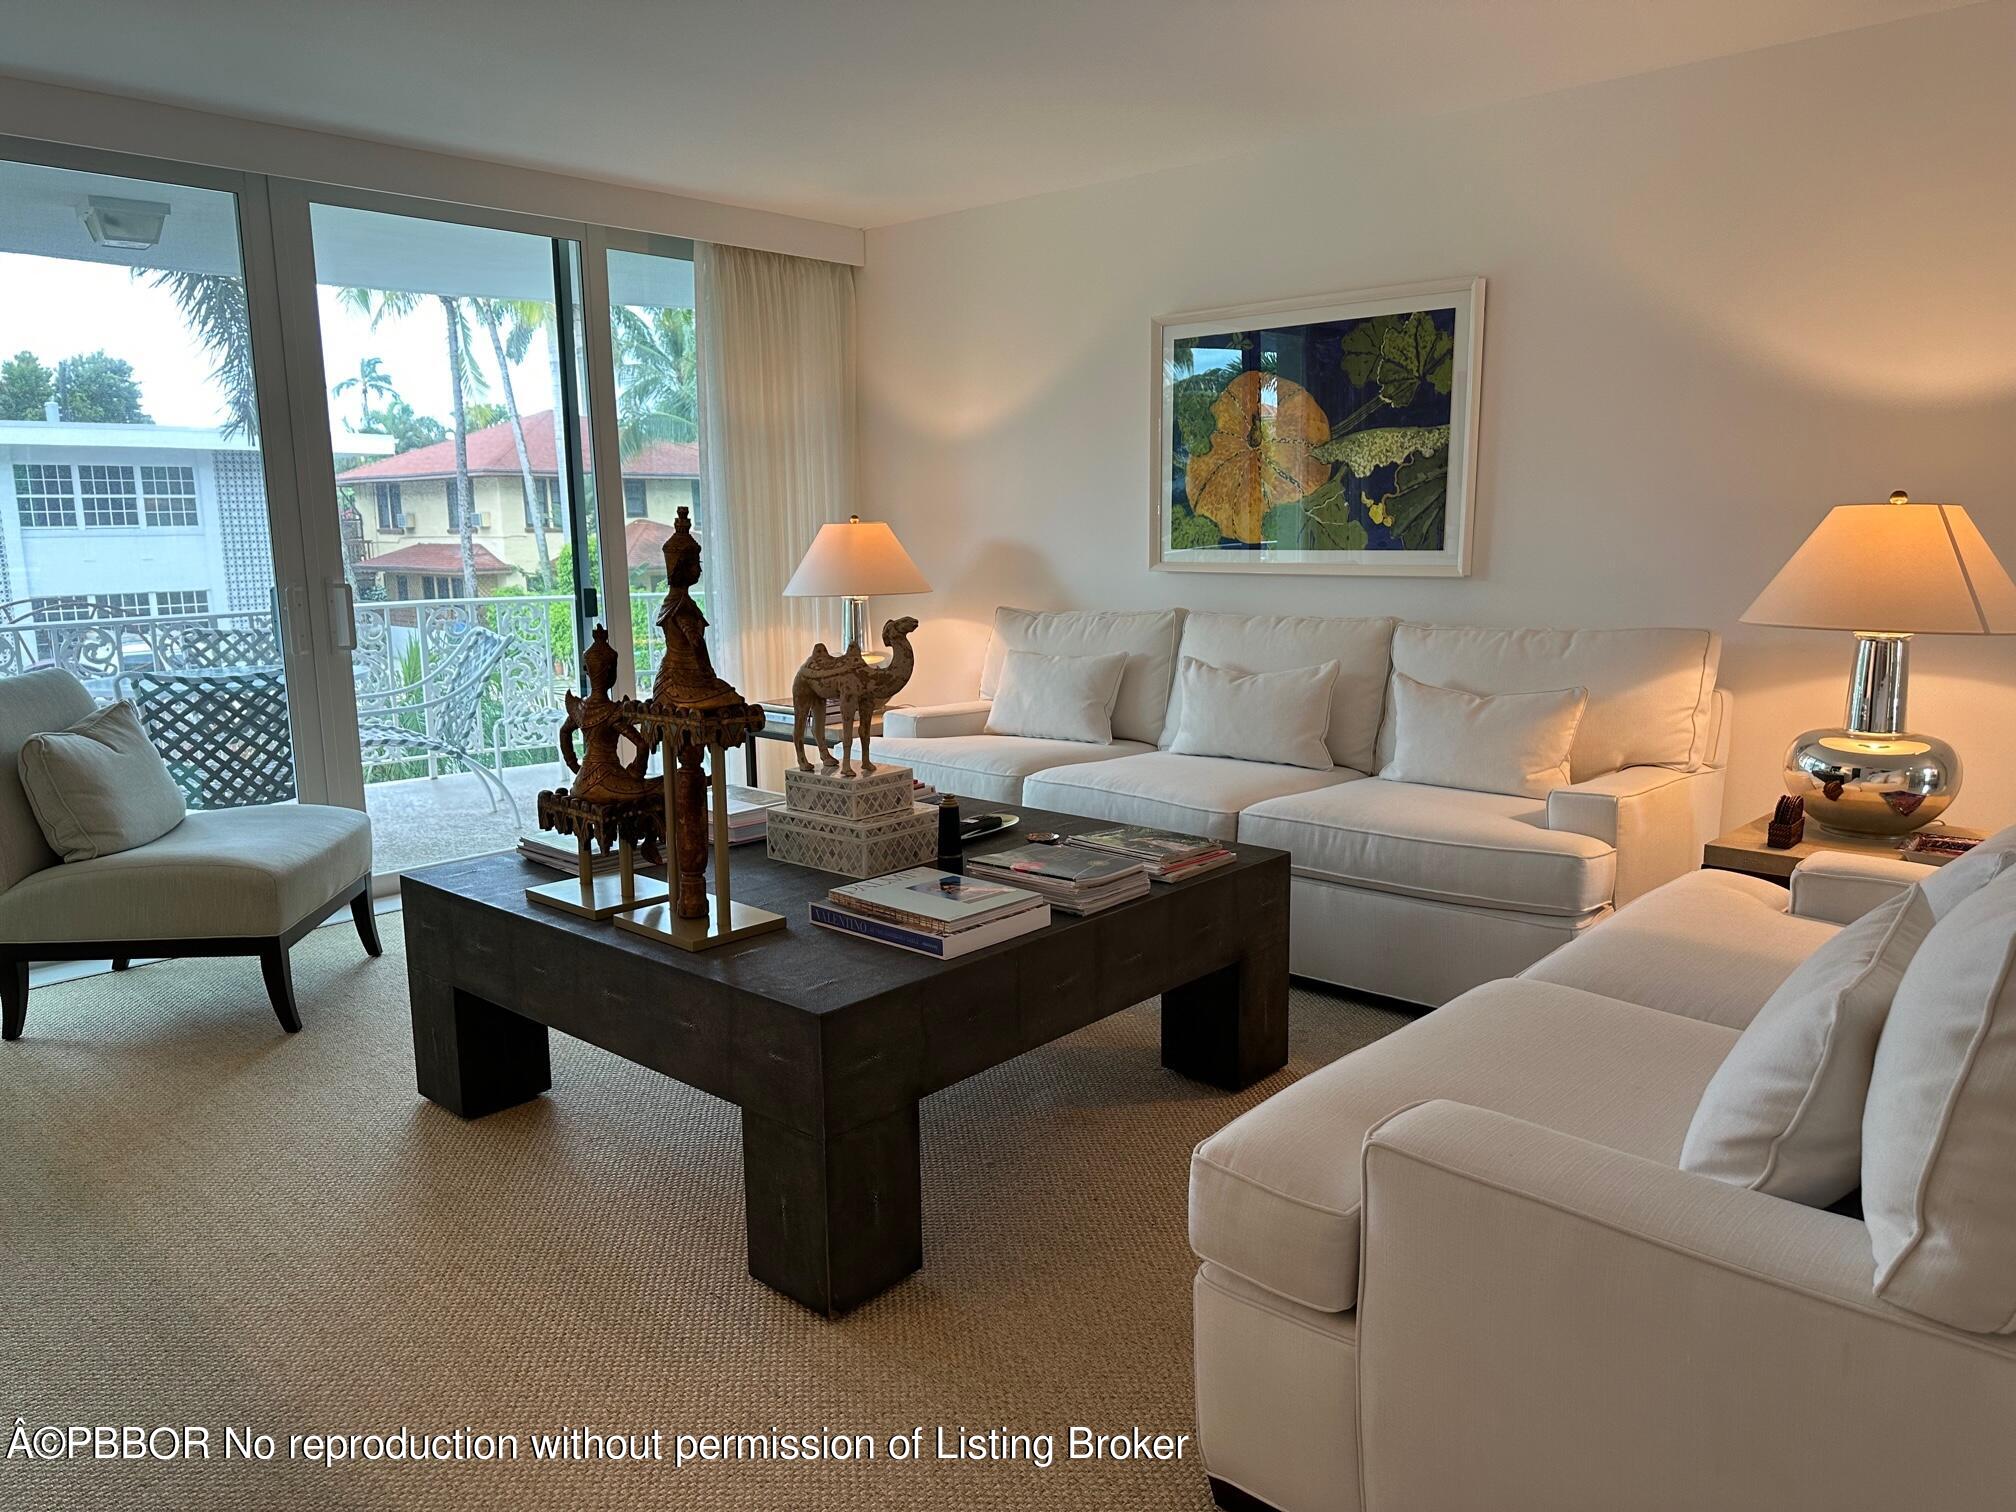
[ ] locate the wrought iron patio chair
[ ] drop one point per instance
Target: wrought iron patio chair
(223, 732)
(449, 703)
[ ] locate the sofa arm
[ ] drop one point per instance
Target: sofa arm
(931, 721)
(1613, 1332)
(1841, 886)
(1656, 818)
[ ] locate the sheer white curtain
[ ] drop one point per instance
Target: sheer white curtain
(776, 367)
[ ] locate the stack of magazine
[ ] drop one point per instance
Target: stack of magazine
(1072, 881)
(932, 912)
(1168, 857)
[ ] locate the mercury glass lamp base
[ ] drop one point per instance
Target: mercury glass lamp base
(1856, 783)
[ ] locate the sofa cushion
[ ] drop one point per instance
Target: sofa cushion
(1940, 1125)
(1711, 945)
(1281, 642)
(1516, 743)
(1274, 1195)
(1148, 637)
(29, 704)
(1476, 850)
(219, 873)
(1043, 697)
(992, 767)
(1651, 692)
(1783, 1114)
(1194, 795)
(99, 787)
(1276, 717)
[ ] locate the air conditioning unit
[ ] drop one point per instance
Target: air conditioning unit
(409, 527)
(482, 522)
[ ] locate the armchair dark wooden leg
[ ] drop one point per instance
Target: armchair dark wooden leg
(367, 923)
(278, 966)
(13, 998)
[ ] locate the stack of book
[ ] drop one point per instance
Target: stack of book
(748, 814)
(1071, 881)
(1168, 856)
(932, 912)
(562, 854)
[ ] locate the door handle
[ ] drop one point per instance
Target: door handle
(342, 614)
(294, 617)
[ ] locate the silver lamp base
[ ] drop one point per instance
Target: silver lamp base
(1861, 784)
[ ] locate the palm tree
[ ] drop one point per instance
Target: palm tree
(371, 380)
(464, 379)
(214, 306)
(491, 314)
(656, 395)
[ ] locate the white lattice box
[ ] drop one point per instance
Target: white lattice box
(870, 795)
(855, 847)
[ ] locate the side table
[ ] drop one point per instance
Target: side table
(1744, 849)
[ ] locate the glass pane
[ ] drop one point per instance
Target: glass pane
(458, 501)
(657, 422)
(134, 549)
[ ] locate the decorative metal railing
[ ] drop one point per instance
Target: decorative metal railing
(401, 644)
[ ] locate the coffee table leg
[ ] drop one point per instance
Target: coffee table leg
(473, 1057)
(1230, 1026)
(833, 1219)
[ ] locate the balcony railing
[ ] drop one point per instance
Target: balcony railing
(414, 714)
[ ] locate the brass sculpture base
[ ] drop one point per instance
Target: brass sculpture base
(659, 922)
(605, 896)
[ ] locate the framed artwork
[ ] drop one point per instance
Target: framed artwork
(1330, 435)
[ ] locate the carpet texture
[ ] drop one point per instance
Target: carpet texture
(209, 1222)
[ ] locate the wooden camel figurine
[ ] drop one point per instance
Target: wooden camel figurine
(860, 689)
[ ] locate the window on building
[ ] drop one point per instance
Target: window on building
(124, 605)
(391, 514)
(62, 610)
(547, 493)
(402, 587)
(168, 494)
(635, 506)
(46, 496)
(109, 498)
(437, 587)
(183, 601)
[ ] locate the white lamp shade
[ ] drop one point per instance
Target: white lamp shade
(860, 559)
(1902, 569)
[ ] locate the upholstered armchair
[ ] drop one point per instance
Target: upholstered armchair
(223, 882)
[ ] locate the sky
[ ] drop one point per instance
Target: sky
(59, 307)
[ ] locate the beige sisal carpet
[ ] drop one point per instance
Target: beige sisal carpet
(207, 1222)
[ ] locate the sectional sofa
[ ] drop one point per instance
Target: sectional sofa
(1463, 1268)
(1411, 891)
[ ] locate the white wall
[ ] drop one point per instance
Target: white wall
(1722, 298)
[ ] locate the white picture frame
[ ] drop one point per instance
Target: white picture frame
(1281, 468)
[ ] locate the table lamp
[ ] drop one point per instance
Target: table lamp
(854, 562)
(1886, 572)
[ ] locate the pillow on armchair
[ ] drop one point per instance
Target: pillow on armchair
(99, 787)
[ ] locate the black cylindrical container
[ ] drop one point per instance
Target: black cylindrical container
(949, 858)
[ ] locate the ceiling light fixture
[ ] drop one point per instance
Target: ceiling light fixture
(128, 225)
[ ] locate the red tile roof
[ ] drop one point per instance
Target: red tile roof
(444, 558)
(493, 452)
(644, 541)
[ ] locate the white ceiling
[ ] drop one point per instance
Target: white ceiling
(867, 112)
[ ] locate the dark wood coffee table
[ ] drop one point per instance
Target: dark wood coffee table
(826, 1043)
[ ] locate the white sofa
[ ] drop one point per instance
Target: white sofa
(1460, 1268)
(1414, 892)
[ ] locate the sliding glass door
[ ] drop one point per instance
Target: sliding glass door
(311, 475)
(461, 461)
(136, 549)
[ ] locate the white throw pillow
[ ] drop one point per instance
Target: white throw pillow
(1517, 743)
(1783, 1114)
(99, 787)
(1955, 882)
(1282, 717)
(1057, 697)
(1939, 1132)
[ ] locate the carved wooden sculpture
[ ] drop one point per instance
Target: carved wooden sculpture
(601, 775)
(686, 674)
(860, 688)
